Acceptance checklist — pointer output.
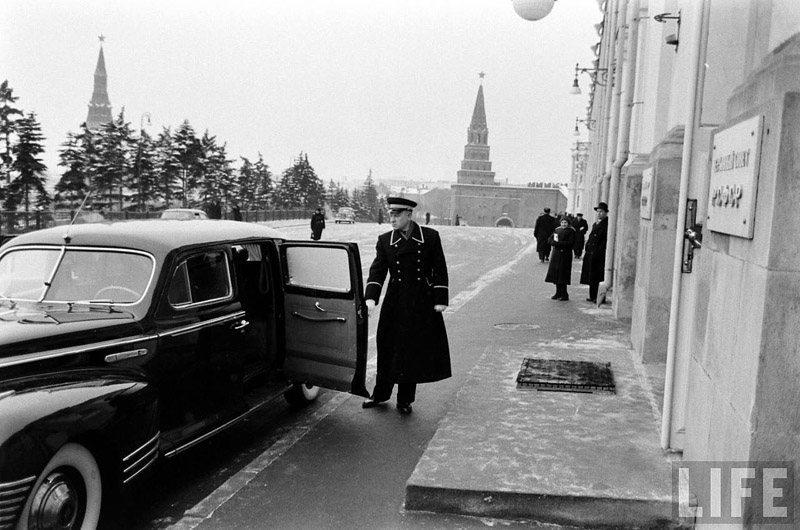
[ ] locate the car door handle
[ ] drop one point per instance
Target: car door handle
(316, 304)
(240, 325)
(314, 319)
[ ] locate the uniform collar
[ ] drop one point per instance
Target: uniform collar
(416, 235)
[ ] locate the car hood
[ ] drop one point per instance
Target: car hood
(28, 329)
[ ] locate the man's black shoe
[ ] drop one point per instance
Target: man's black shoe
(404, 408)
(564, 298)
(371, 404)
(555, 297)
(590, 300)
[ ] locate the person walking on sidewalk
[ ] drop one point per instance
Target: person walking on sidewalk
(581, 227)
(594, 260)
(544, 227)
(317, 224)
(560, 269)
(412, 340)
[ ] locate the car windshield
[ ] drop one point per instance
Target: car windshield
(182, 214)
(74, 275)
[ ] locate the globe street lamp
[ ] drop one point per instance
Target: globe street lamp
(533, 9)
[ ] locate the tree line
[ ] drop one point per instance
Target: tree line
(126, 170)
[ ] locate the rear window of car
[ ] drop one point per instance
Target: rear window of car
(200, 279)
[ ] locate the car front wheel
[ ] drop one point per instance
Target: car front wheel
(67, 495)
(301, 394)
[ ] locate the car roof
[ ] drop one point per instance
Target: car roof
(183, 210)
(156, 236)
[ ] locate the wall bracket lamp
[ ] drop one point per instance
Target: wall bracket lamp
(587, 122)
(576, 89)
(673, 39)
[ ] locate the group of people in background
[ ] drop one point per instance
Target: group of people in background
(560, 238)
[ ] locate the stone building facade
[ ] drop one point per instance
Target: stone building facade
(698, 128)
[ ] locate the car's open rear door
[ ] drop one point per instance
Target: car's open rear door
(324, 314)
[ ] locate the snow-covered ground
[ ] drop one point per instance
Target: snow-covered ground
(470, 251)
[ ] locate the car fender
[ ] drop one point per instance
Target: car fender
(114, 416)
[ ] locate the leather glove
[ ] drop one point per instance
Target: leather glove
(370, 307)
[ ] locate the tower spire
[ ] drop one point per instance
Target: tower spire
(476, 168)
(100, 105)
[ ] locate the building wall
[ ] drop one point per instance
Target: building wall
(735, 394)
(745, 373)
(483, 205)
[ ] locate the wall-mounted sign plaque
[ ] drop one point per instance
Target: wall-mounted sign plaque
(734, 178)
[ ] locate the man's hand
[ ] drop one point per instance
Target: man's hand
(370, 307)
(439, 308)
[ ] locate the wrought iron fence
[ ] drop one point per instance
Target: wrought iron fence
(21, 222)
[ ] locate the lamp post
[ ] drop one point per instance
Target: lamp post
(589, 123)
(139, 157)
(576, 89)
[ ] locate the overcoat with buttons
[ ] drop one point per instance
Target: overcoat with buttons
(412, 341)
(560, 269)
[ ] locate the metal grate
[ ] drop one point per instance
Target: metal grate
(566, 376)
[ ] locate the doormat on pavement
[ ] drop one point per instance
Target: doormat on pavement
(565, 376)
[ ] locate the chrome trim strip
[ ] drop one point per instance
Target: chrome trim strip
(16, 483)
(142, 447)
(17, 491)
(200, 325)
(148, 454)
(142, 469)
(12, 502)
(222, 427)
(53, 354)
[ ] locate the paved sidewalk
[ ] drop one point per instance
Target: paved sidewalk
(566, 458)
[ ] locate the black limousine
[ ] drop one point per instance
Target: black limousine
(123, 343)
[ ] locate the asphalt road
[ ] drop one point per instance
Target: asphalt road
(331, 465)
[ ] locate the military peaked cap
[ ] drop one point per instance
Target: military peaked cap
(400, 203)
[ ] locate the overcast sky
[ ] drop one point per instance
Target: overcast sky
(386, 85)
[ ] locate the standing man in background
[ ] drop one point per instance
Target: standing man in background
(412, 340)
(544, 227)
(594, 262)
(581, 227)
(317, 224)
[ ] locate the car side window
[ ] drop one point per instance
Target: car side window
(201, 278)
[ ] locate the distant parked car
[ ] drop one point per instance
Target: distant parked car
(184, 214)
(124, 343)
(345, 215)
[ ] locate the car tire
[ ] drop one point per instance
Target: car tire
(301, 394)
(67, 494)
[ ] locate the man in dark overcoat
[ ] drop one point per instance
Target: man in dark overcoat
(581, 228)
(544, 227)
(412, 341)
(594, 260)
(317, 224)
(560, 270)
